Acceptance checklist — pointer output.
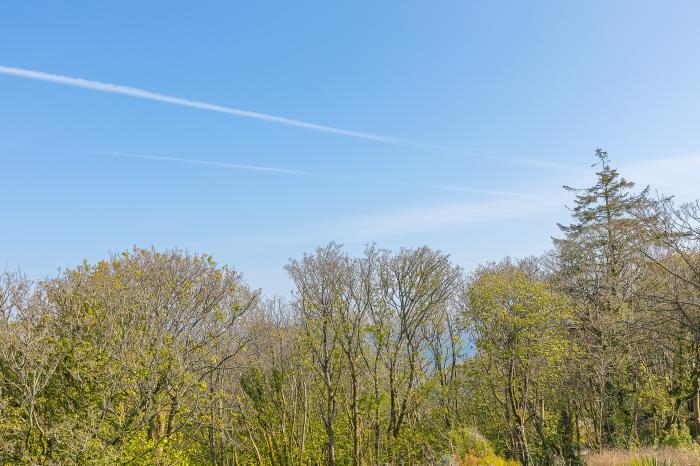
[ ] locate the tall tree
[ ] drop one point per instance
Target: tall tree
(600, 266)
(322, 282)
(673, 252)
(415, 285)
(520, 329)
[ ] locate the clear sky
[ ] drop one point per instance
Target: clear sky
(452, 124)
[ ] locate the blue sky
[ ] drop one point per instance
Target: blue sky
(466, 119)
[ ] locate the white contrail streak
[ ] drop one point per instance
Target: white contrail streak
(211, 163)
(144, 94)
(288, 171)
(149, 95)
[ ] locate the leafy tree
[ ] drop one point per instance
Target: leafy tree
(520, 328)
(389, 357)
(599, 265)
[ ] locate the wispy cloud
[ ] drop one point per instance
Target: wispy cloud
(440, 217)
(672, 175)
(289, 171)
(211, 163)
(149, 95)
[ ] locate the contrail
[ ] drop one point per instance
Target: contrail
(288, 171)
(149, 95)
(211, 163)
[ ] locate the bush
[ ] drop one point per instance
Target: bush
(445, 460)
(488, 460)
(473, 449)
(647, 461)
(467, 440)
(678, 437)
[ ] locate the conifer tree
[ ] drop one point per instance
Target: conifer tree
(600, 266)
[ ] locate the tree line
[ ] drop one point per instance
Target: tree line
(390, 357)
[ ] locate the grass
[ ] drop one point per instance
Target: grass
(645, 457)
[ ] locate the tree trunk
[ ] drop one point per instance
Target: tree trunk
(696, 411)
(355, 427)
(330, 430)
(523, 449)
(331, 446)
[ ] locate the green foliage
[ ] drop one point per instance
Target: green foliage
(648, 461)
(467, 440)
(678, 436)
(470, 448)
(168, 358)
(471, 459)
(520, 325)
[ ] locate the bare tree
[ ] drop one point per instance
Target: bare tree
(323, 282)
(673, 251)
(414, 286)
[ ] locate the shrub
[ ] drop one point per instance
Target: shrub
(467, 440)
(647, 461)
(473, 449)
(678, 437)
(489, 460)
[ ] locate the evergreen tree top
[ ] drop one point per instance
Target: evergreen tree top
(611, 198)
